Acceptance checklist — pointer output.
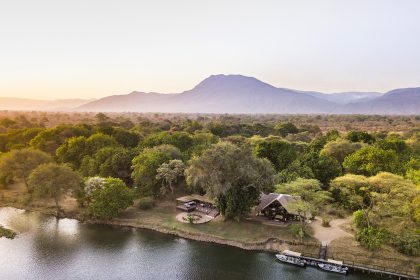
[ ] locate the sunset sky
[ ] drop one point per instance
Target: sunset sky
(88, 48)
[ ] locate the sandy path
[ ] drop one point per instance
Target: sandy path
(327, 234)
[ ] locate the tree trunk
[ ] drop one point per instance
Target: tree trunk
(56, 205)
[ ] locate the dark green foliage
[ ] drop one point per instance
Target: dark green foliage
(50, 139)
(279, 152)
(360, 136)
(109, 201)
(75, 149)
(323, 167)
(235, 203)
(284, 129)
(295, 170)
(145, 165)
(109, 162)
(232, 175)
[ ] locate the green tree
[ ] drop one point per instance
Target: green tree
(279, 152)
(339, 149)
(324, 168)
(111, 161)
(108, 201)
(169, 174)
(370, 160)
(52, 181)
(283, 129)
(295, 170)
(360, 136)
(232, 175)
(312, 200)
(145, 166)
(50, 139)
(18, 164)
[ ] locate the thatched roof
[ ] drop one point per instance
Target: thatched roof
(283, 199)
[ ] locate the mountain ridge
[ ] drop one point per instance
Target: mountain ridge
(237, 94)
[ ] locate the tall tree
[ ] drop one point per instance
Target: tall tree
(232, 175)
(145, 166)
(18, 164)
(51, 181)
(370, 160)
(108, 201)
(169, 173)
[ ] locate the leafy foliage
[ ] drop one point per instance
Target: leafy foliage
(52, 180)
(111, 199)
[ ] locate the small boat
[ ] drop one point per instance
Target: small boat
(291, 260)
(333, 268)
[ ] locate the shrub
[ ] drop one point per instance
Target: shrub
(146, 203)
(371, 238)
(326, 221)
(408, 243)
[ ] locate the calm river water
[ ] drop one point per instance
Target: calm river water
(47, 248)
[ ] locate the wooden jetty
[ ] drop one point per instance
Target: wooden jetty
(369, 270)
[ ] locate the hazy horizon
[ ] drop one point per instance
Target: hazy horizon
(69, 50)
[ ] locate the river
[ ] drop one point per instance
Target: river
(50, 248)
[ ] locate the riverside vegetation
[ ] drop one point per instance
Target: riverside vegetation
(128, 169)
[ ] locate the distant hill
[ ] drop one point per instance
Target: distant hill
(18, 104)
(237, 94)
(404, 101)
(218, 94)
(347, 97)
(241, 94)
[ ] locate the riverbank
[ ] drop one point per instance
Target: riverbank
(247, 235)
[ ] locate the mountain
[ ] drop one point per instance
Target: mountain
(404, 101)
(218, 94)
(347, 97)
(236, 94)
(12, 103)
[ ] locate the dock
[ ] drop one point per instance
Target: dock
(354, 267)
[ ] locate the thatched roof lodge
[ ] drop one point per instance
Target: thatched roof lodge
(276, 206)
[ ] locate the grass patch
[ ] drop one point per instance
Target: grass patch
(8, 233)
(245, 231)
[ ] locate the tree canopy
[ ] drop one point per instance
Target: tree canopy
(225, 171)
(18, 164)
(51, 181)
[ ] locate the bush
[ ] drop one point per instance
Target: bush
(326, 221)
(359, 219)
(371, 238)
(146, 203)
(297, 230)
(408, 243)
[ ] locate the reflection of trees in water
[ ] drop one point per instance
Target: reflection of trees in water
(104, 237)
(51, 243)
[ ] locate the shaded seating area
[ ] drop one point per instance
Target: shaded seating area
(200, 203)
(275, 207)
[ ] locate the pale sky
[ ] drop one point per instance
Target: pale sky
(89, 48)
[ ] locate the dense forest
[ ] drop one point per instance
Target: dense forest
(341, 165)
